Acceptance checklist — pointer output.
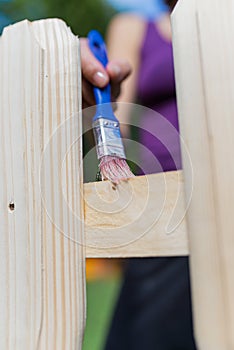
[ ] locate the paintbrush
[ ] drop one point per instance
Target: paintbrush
(109, 145)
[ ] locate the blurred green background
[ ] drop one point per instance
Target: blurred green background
(101, 297)
(80, 15)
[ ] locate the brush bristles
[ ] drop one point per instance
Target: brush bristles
(114, 169)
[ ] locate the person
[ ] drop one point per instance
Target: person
(154, 306)
(93, 73)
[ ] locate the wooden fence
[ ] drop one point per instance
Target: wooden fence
(50, 221)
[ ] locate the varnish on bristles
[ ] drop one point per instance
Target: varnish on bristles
(114, 169)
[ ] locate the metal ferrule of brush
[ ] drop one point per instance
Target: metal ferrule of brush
(108, 138)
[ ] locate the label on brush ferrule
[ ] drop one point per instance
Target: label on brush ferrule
(108, 138)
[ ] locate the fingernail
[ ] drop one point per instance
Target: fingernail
(100, 79)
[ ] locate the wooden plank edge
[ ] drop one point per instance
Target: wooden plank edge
(109, 235)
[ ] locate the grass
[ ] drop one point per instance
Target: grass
(101, 298)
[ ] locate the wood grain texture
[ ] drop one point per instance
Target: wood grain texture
(42, 295)
(203, 33)
(143, 217)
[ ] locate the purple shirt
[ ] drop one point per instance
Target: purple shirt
(156, 90)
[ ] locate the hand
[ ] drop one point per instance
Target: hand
(93, 73)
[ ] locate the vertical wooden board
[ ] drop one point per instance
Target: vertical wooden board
(21, 261)
(204, 81)
(4, 262)
(42, 240)
(64, 251)
(217, 36)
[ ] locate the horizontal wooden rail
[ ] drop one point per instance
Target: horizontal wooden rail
(142, 217)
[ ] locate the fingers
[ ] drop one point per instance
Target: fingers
(118, 70)
(93, 73)
(92, 70)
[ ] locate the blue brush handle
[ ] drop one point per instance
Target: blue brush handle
(102, 96)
